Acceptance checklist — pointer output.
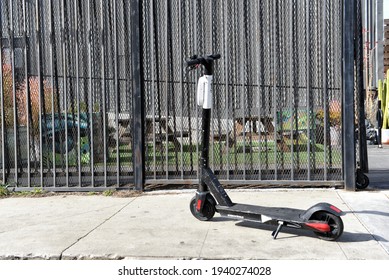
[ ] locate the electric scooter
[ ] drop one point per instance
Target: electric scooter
(323, 218)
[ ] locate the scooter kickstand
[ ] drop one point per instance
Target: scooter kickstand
(275, 232)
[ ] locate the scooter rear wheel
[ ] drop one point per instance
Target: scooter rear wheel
(335, 223)
(206, 213)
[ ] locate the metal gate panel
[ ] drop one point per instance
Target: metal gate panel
(66, 94)
(66, 98)
(277, 90)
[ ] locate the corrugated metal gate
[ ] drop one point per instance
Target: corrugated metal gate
(68, 108)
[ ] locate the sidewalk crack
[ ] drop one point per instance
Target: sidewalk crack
(205, 238)
(93, 229)
(360, 220)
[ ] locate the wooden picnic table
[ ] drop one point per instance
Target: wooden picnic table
(167, 132)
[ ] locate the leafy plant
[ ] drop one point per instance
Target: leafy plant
(37, 191)
(335, 117)
(4, 191)
(383, 96)
(109, 192)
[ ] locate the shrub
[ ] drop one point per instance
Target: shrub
(335, 117)
(4, 191)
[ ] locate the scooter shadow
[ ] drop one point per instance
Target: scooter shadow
(346, 237)
(292, 233)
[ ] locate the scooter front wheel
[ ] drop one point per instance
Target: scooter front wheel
(335, 223)
(206, 213)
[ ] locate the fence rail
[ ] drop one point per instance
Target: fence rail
(79, 112)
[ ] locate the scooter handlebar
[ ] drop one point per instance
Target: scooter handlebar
(206, 59)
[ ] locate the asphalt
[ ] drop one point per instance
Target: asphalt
(159, 225)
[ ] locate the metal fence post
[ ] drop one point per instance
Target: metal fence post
(359, 89)
(348, 95)
(137, 95)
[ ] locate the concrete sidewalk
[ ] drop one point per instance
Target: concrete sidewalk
(159, 225)
(378, 160)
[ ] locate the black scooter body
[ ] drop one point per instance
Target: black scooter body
(323, 218)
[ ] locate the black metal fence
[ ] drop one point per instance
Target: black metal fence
(66, 93)
(70, 110)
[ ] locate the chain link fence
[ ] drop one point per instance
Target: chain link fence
(67, 106)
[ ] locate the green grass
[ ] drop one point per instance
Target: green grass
(29, 192)
(35, 191)
(259, 153)
(109, 192)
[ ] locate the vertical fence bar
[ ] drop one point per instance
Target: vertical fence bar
(180, 59)
(308, 85)
(167, 32)
(260, 83)
(78, 142)
(39, 58)
(14, 100)
(137, 93)
(65, 87)
(3, 135)
(127, 62)
(273, 77)
(90, 93)
(226, 58)
(241, 75)
(52, 48)
(153, 58)
(348, 95)
(116, 91)
(291, 87)
(210, 44)
(103, 89)
(197, 110)
(324, 82)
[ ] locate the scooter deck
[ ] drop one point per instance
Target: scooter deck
(260, 213)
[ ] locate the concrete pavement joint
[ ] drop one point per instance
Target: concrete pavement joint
(340, 197)
(356, 216)
(363, 224)
(99, 225)
(205, 238)
(343, 252)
